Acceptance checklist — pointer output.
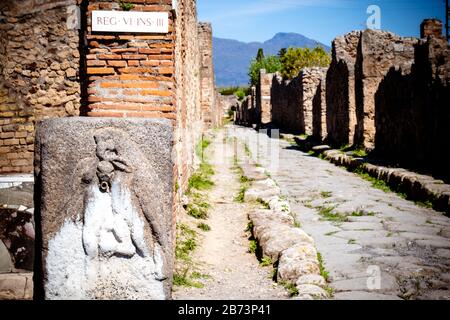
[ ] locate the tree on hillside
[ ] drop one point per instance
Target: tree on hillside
(295, 59)
(270, 63)
(260, 55)
(282, 52)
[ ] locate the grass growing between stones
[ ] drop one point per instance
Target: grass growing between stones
(263, 203)
(247, 150)
(186, 243)
(361, 153)
(265, 262)
(290, 287)
(360, 213)
(204, 227)
(327, 214)
(201, 180)
(198, 206)
(323, 272)
(326, 194)
(376, 183)
(252, 246)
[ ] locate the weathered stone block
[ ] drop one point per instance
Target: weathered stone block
(104, 208)
(5, 259)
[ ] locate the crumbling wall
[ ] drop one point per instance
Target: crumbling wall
(286, 100)
(208, 97)
(188, 95)
(292, 101)
(263, 99)
(340, 90)
(377, 53)
(412, 111)
(319, 112)
(39, 73)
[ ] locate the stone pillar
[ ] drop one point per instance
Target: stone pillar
(340, 94)
(310, 78)
(207, 73)
(263, 96)
(320, 110)
(104, 201)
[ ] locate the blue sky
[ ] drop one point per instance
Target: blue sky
(322, 20)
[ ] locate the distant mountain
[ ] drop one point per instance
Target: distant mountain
(232, 57)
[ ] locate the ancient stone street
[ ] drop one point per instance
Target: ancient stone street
(375, 245)
(148, 155)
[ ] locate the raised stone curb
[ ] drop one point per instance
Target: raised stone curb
(416, 186)
(279, 239)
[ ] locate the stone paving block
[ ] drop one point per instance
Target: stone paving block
(12, 286)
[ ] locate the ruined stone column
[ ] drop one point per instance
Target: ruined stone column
(340, 94)
(264, 104)
(104, 204)
(207, 74)
(378, 52)
(310, 78)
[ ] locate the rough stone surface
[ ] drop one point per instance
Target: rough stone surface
(292, 101)
(411, 129)
(379, 51)
(407, 259)
(263, 98)
(297, 261)
(16, 286)
(340, 90)
(5, 259)
(104, 206)
(35, 39)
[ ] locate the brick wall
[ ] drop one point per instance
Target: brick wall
(131, 75)
(39, 78)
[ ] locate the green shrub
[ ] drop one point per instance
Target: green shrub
(270, 63)
(240, 94)
(125, 6)
(295, 59)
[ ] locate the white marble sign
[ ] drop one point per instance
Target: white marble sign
(130, 21)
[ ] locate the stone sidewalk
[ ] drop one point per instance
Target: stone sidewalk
(375, 245)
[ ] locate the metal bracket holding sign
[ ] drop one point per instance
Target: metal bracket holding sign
(132, 22)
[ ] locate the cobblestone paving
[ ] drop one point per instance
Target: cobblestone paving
(375, 245)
